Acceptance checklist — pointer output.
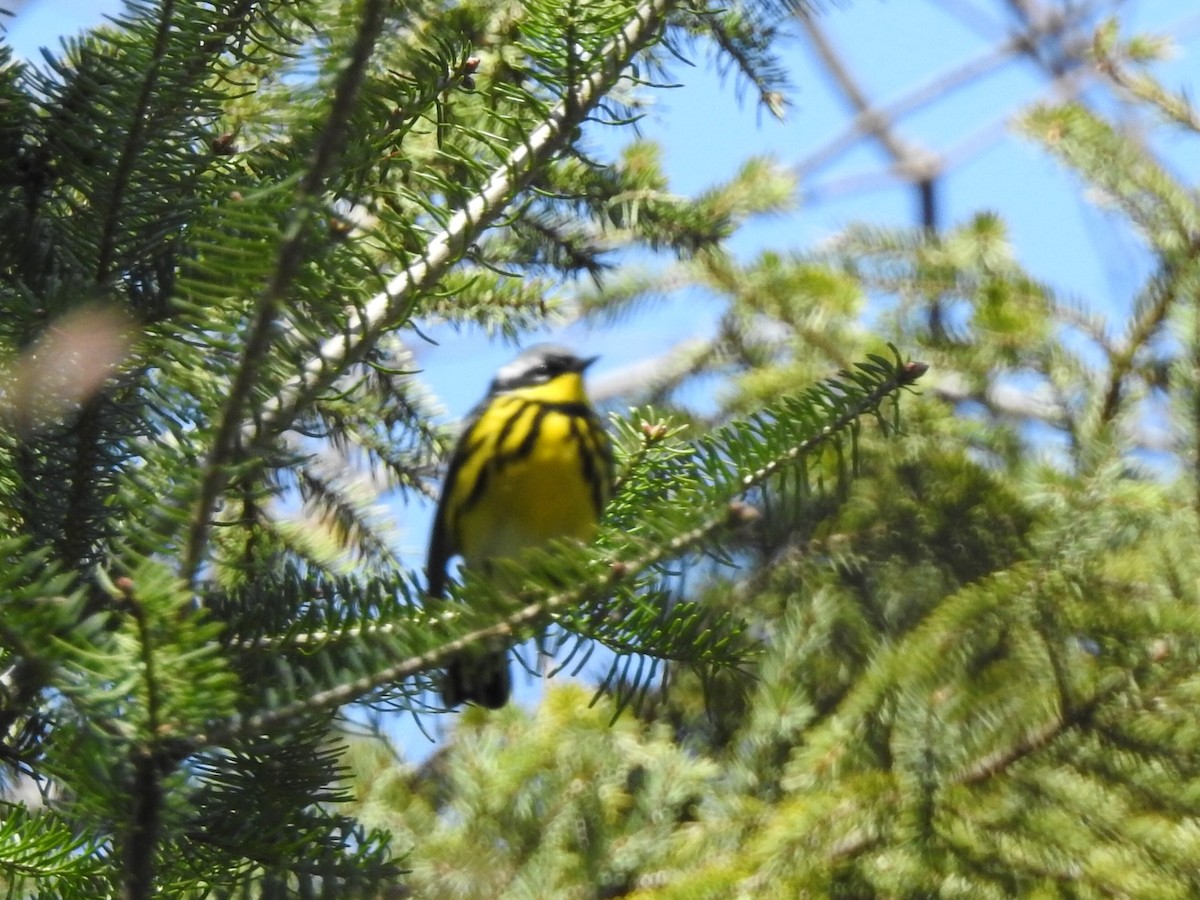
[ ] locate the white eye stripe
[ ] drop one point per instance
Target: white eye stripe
(537, 365)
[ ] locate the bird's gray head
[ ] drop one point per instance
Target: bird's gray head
(537, 365)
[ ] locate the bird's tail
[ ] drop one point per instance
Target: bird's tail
(480, 678)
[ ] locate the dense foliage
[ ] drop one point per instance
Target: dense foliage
(905, 655)
(224, 221)
(976, 666)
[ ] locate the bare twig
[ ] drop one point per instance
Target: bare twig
(916, 163)
(912, 164)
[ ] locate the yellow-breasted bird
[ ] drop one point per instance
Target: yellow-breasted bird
(534, 463)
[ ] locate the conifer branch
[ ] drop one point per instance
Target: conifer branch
(528, 616)
(134, 144)
(145, 786)
(1149, 318)
(728, 513)
(1076, 716)
(743, 57)
(1175, 107)
(388, 308)
(867, 118)
(146, 820)
(291, 254)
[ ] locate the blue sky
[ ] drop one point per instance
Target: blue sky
(706, 132)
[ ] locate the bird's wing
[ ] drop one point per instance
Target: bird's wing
(443, 543)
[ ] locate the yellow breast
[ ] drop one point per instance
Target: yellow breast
(535, 484)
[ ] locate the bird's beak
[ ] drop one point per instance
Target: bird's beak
(584, 363)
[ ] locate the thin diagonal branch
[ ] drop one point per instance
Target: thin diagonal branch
(390, 307)
(912, 163)
(134, 144)
(291, 253)
(1077, 716)
(916, 163)
(1160, 298)
(726, 515)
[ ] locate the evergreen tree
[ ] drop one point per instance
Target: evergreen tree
(223, 223)
(974, 663)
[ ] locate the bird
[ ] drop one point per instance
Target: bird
(534, 463)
